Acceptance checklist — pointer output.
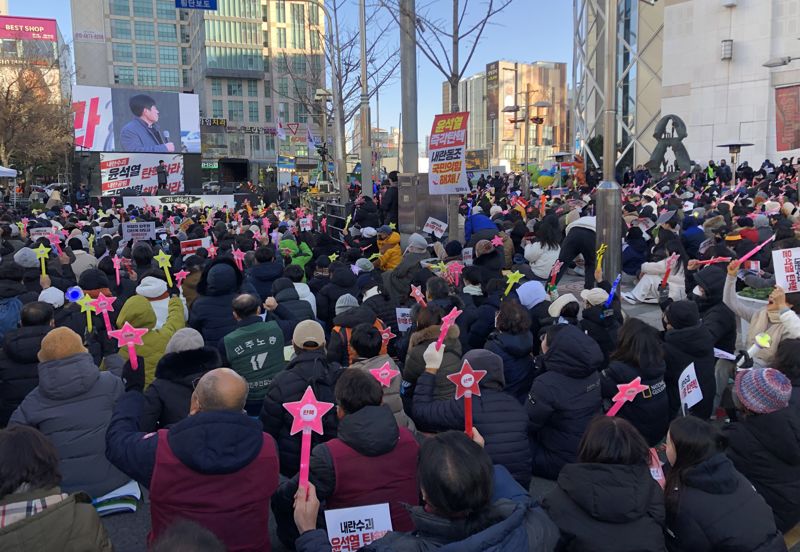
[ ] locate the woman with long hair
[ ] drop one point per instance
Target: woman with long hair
(542, 253)
(647, 288)
(513, 342)
(640, 354)
(710, 505)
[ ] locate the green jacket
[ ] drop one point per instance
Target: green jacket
(255, 352)
(140, 314)
(301, 253)
(71, 525)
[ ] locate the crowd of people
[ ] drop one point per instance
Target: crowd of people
(276, 301)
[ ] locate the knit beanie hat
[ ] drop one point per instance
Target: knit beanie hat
(93, 278)
(60, 343)
(151, 287)
(763, 390)
(683, 314)
(26, 258)
(345, 303)
(323, 261)
(418, 241)
(52, 296)
(185, 339)
(364, 265)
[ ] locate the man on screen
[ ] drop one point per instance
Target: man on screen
(142, 133)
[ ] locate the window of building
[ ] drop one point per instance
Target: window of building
(236, 144)
(281, 34)
(216, 87)
(145, 53)
(234, 87)
(313, 14)
(281, 64)
(252, 112)
(316, 64)
(146, 76)
(120, 7)
(299, 65)
(235, 110)
(314, 41)
(144, 31)
(264, 12)
(123, 74)
(298, 26)
(167, 32)
(170, 77)
(300, 113)
(283, 111)
(216, 109)
(255, 142)
(267, 89)
(283, 86)
(267, 113)
(165, 9)
(143, 8)
(185, 77)
(280, 11)
(252, 88)
(266, 64)
(168, 55)
(122, 51)
(269, 143)
(185, 56)
(120, 29)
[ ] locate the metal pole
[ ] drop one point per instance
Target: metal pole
(454, 228)
(408, 85)
(526, 188)
(366, 140)
(609, 202)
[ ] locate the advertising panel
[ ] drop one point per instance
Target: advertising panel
(787, 118)
(135, 121)
(28, 28)
(137, 173)
(509, 98)
(492, 90)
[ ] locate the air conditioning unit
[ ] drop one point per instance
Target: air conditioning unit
(730, 3)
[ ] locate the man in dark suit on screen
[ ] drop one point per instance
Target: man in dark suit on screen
(142, 133)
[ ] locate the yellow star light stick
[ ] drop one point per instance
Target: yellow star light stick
(512, 279)
(347, 222)
(85, 303)
(600, 253)
(41, 253)
(163, 262)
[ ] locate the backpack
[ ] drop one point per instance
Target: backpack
(10, 309)
(345, 333)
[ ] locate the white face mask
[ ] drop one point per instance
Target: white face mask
(698, 291)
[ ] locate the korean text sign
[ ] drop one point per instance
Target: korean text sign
(447, 147)
(787, 268)
(139, 171)
(354, 528)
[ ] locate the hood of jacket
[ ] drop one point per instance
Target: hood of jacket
(10, 288)
(22, 345)
(391, 240)
(266, 272)
(67, 377)
(695, 340)
(515, 345)
(715, 475)
(778, 432)
(344, 278)
(573, 354)
(220, 277)
(354, 317)
(712, 280)
(218, 442)
(138, 312)
(595, 314)
(183, 367)
(613, 493)
(431, 333)
(371, 431)
(481, 222)
(285, 294)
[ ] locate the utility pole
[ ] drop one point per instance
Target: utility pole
(609, 202)
(454, 228)
(526, 184)
(366, 141)
(408, 85)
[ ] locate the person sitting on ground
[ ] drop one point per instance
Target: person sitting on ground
(608, 501)
(389, 249)
(371, 461)
(201, 469)
(349, 314)
(187, 536)
(513, 343)
(264, 272)
(296, 276)
(37, 515)
(470, 506)
(600, 323)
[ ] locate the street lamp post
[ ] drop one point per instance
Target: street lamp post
(366, 142)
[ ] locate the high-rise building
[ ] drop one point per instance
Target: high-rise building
(499, 100)
(252, 62)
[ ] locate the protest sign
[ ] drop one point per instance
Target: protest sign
(190, 247)
(447, 157)
(354, 528)
(403, 319)
(138, 231)
(139, 172)
(37, 233)
(787, 269)
(467, 255)
(435, 226)
(305, 224)
(689, 387)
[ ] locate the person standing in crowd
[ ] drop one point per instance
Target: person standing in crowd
(390, 200)
(264, 272)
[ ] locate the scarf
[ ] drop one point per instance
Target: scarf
(473, 290)
(17, 511)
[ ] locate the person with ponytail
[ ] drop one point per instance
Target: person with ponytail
(710, 505)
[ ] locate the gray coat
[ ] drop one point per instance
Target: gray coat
(72, 406)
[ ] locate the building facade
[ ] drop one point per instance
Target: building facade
(535, 90)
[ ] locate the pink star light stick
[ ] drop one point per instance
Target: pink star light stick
(416, 293)
(497, 241)
(626, 393)
(55, 241)
(387, 336)
(454, 270)
(212, 251)
(129, 337)
(238, 257)
(756, 249)
(466, 382)
(324, 224)
(384, 374)
(103, 305)
(117, 263)
(180, 276)
(447, 321)
(307, 414)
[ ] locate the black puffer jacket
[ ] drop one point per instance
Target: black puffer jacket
(717, 317)
(385, 308)
(307, 368)
(563, 400)
(518, 365)
(287, 297)
(483, 324)
(602, 329)
(765, 448)
(70, 316)
(607, 508)
(718, 509)
(19, 365)
(262, 275)
(649, 411)
(211, 313)
(343, 281)
(498, 416)
(366, 214)
(339, 342)
(167, 399)
(681, 348)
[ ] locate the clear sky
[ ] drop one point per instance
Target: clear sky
(528, 30)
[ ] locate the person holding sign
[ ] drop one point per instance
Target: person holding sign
(371, 461)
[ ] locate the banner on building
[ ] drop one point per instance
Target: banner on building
(509, 99)
(448, 142)
(786, 263)
(492, 91)
(787, 118)
(138, 172)
(183, 200)
(196, 4)
(28, 28)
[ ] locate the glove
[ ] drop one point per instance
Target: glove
(133, 379)
(432, 357)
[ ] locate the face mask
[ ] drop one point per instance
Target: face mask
(699, 292)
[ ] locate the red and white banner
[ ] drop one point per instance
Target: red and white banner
(28, 28)
(139, 172)
(448, 142)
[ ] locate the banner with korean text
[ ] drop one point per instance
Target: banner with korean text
(786, 264)
(139, 172)
(447, 155)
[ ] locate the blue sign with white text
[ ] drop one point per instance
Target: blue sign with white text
(196, 4)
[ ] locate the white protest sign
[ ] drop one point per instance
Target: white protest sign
(138, 231)
(36, 233)
(354, 528)
(467, 254)
(435, 226)
(190, 247)
(305, 224)
(786, 263)
(689, 387)
(403, 319)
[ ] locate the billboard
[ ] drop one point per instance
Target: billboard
(28, 28)
(492, 90)
(135, 121)
(787, 118)
(477, 159)
(509, 98)
(137, 173)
